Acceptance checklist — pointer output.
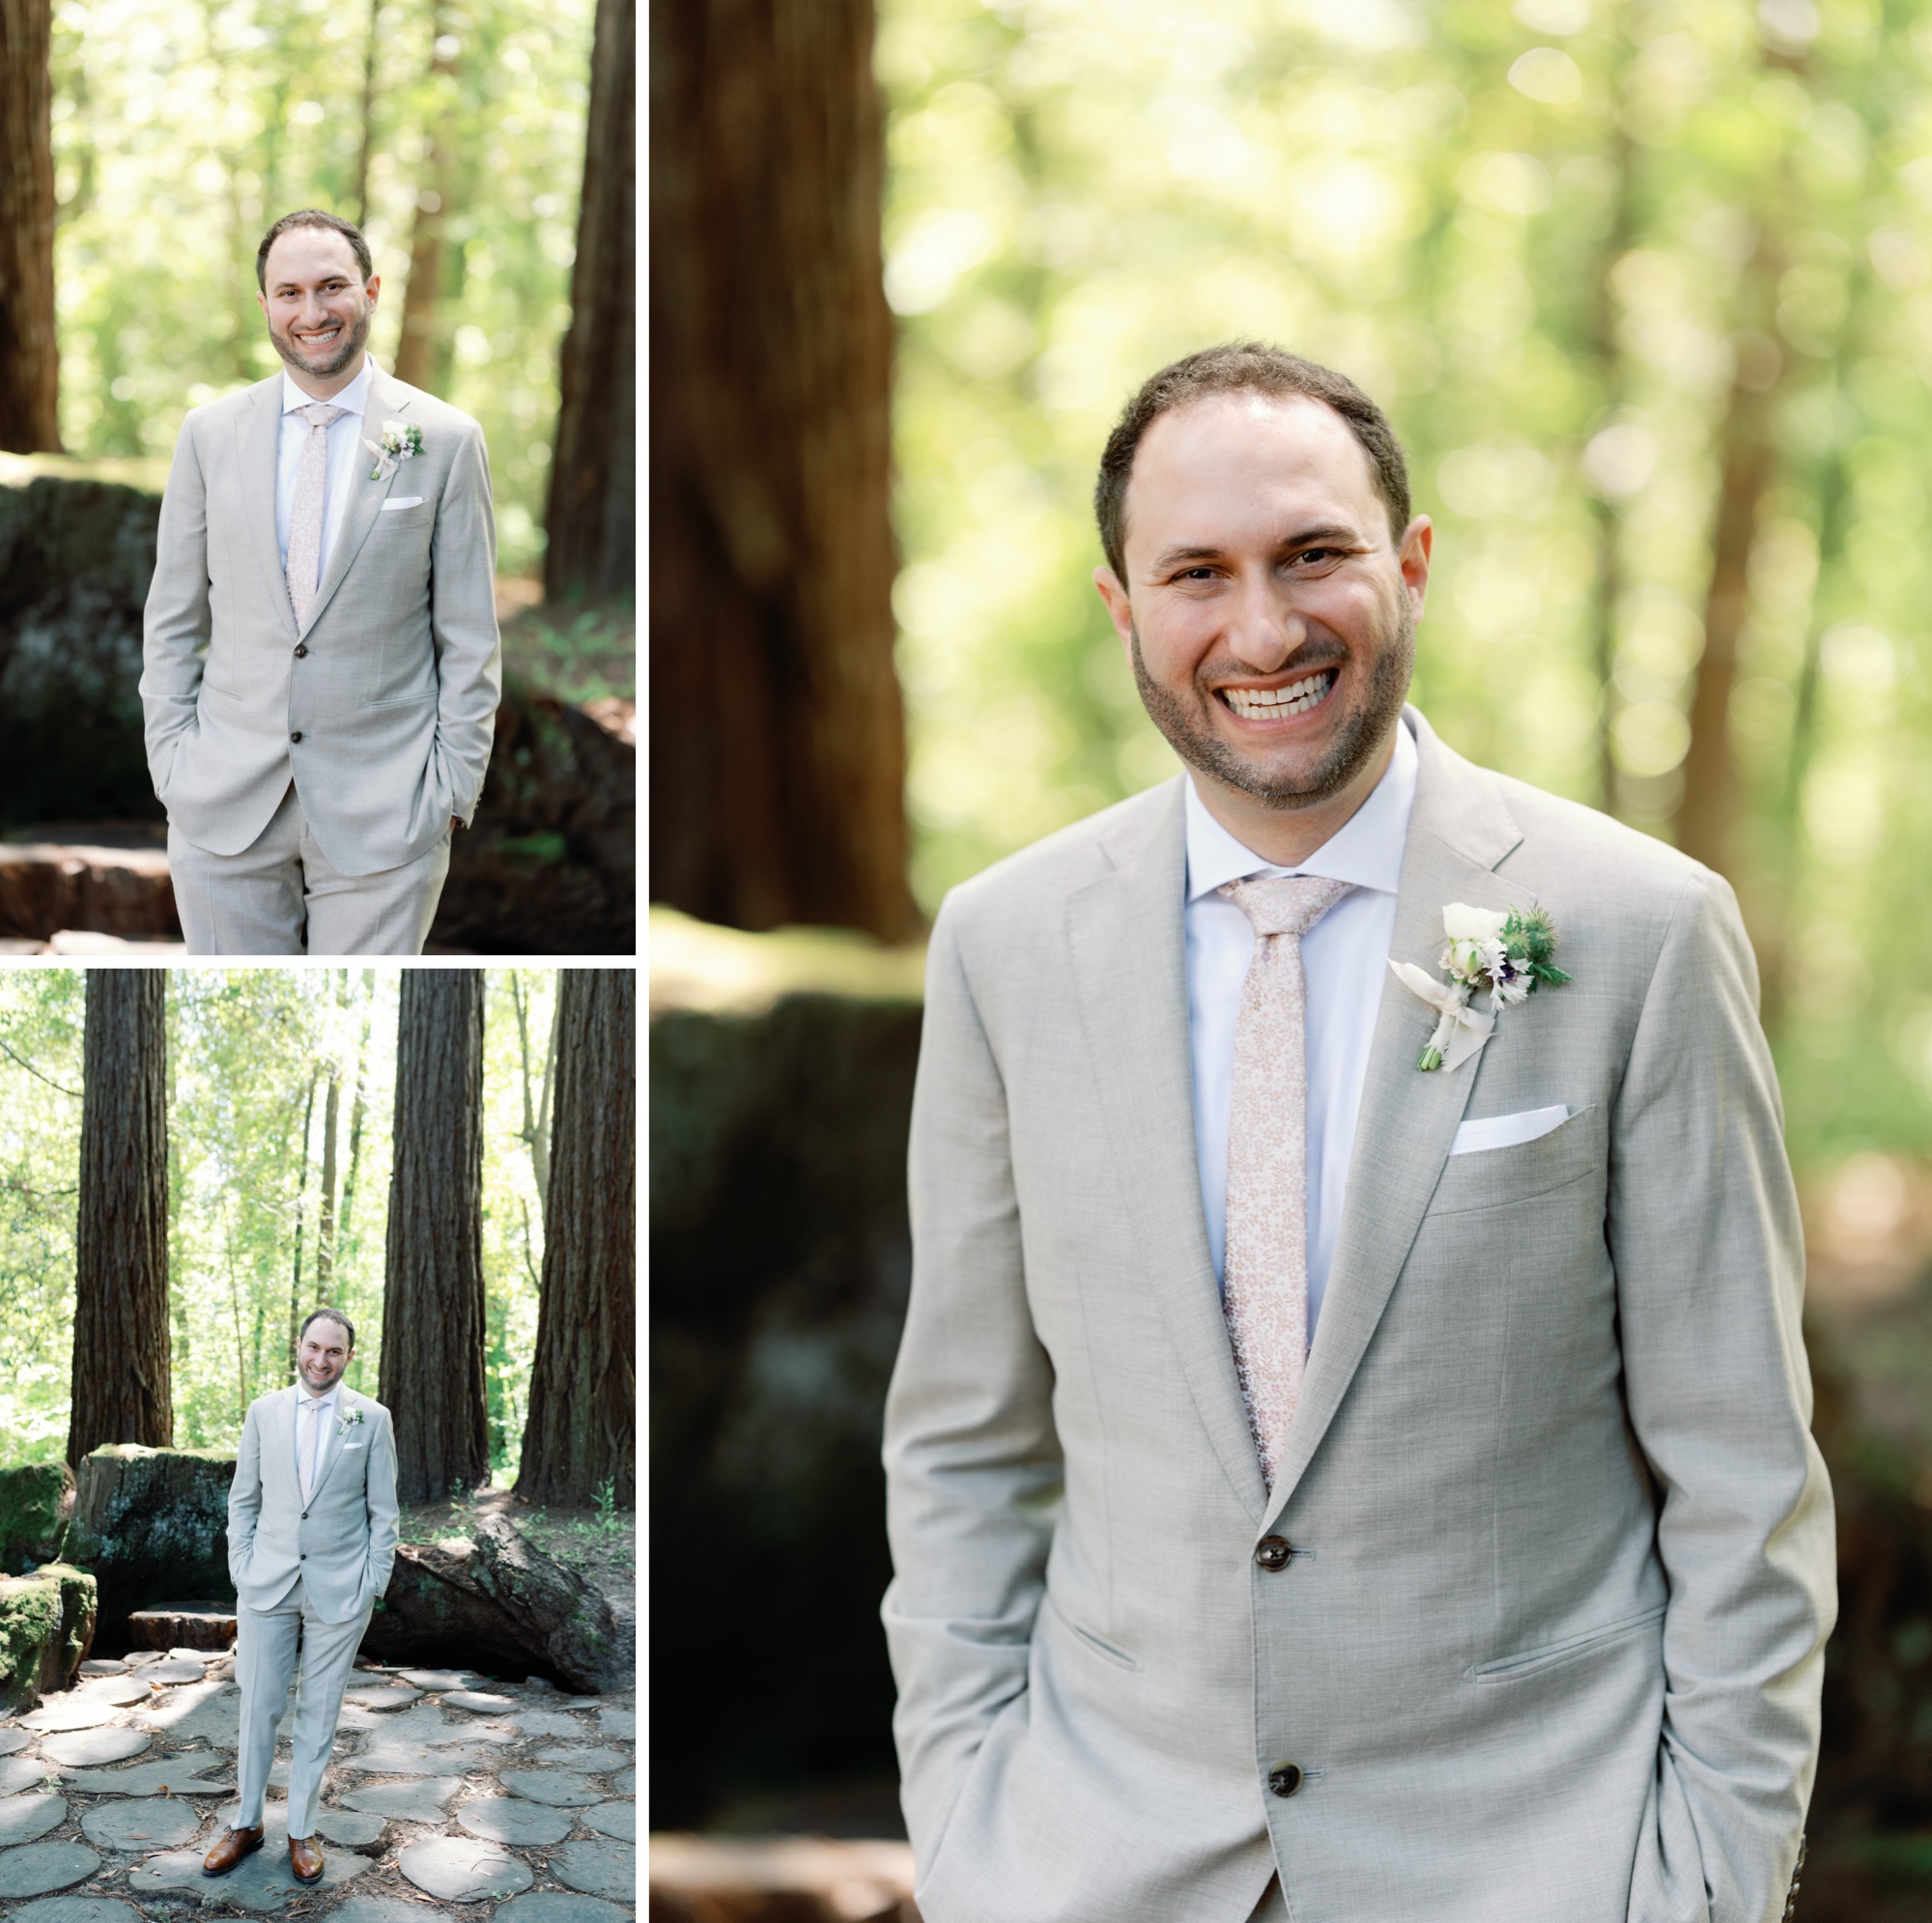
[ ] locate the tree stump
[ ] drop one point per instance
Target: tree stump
(153, 1522)
(36, 1501)
(46, 1628)
(183, 1626)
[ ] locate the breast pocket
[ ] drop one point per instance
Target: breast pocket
(1496, 1177)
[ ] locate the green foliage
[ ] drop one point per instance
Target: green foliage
(1562, 245)
(1532, 938)
(182, 132)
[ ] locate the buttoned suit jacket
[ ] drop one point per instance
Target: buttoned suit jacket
(1550, 1642)
(342, 1542)
(382, 705)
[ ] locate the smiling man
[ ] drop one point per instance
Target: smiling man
(311, 1540)
(322, 666)
(1348, 1457)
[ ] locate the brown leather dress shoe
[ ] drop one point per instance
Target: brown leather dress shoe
(304, 1861)
(232, 1847)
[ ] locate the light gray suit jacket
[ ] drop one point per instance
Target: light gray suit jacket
(1551, 1643)
(386, 718)
(343, 1544)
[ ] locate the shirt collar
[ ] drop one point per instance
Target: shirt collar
(1366, 850)
(354, 399)
(322, 1402)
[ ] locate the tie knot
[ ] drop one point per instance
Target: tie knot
(1286, 904)
(319, 413)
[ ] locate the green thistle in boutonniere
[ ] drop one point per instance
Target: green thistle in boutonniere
(1507, 954)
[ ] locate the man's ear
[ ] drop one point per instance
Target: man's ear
(1119, 611)
(373, 288)
(1412, 554)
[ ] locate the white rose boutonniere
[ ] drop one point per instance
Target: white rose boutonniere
(345, 1423)
(399, 443)
(1505, 952)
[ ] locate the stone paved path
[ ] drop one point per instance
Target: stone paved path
(451, 1798)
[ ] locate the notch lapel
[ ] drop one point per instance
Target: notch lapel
(386, 402)
(1126, 934)
(258, 434)
(1459, 831)
(329, 1444)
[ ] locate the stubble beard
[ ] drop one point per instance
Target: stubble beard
(352, 338)
(1356, 740)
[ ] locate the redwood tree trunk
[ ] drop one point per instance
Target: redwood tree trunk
(122, 1390)
(591, 521)
(29, 355)
(419, 358)
(433, 1318)
(582, 1419)
(777, 734)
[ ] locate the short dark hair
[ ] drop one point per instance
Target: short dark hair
(313, 216)
(1238, 367)
(330, 1316)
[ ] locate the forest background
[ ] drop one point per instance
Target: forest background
(264, 1065)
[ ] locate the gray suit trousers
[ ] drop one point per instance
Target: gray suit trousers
(282, 895)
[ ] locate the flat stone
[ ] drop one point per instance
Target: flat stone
(261, 1882)
(400, 1758)
(621, 1723)
(24, 1818)
(182, 1774)
(426, 1724)
(512, 1819)
(439, 1678)
(558, 1788)
(120, 1690)
(79, 1748)
(12, 1740)
(349, 1827)
(592, 1762)
(556, 1905)
(23, 1772)
(550, 1722)
(613, 1819)
(77, 1909)
(461, 1868)
(603, 1869)
(37, 1868)
(143, 1825)
(385, 1909)
(176, 1710)
(103, 1665)
(379, 1697)
(626, 1784)
(178, 1666)
(426, 1801)
(70, 1712)
(478, 1701)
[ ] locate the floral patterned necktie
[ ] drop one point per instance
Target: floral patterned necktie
(305, 521)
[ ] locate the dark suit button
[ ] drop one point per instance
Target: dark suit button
(297, 736)
(1279, 1792)
(1272, 1552)
(304, 1515)
(301, 648)
(1285, 1778)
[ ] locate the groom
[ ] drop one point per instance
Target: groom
(322, 666)
(311, 1537)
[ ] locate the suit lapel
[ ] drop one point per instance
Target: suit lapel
(258, 432)
(329, 1444)
(386, 402)
(1458, 829)
(1126, 933)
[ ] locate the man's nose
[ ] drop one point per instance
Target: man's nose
(1264, 630)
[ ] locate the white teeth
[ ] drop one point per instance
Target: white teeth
(1266, 703)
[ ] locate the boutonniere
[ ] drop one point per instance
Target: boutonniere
(1507, 954)
(345, 1423)
(398, 443)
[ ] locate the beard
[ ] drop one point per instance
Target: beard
(346, 349)
(1359, 735)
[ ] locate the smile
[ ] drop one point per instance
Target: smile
(318, 340)
(1267, 704)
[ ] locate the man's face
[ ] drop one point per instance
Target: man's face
(1268, 613)
(323, 1356)
(316, 302)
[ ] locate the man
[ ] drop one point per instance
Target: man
(1502, 1599)
(311, 1539)
(321, 667)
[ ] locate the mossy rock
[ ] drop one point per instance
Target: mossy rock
(36, 1500)
(152, 1523)
(47, 1628)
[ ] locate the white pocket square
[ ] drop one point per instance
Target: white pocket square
(408, 500)
(1507, 1131)
(351, 1445)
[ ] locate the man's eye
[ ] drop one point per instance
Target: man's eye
(1313, 557)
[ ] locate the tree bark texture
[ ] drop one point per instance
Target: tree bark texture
(773, 561)
(29, 351)
(591, 519)
(122, 1388)
(583, 1421)
(324, 1235)
(433, 1321)
(420, 360)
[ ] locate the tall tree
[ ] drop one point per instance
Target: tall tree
(433, 1310)
(359, 196)
(122, 1391)
(592, 516)
(582, 1422)
(771, 363)
(419, 356)
(29, 353)
(301, 1206)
